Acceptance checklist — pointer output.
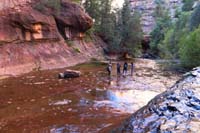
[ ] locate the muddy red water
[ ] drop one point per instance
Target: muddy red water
(94, 102)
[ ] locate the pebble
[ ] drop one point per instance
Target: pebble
(9, 102)
(42, 109)
(70, 109)
(32, 100)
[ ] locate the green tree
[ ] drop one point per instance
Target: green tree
(131, 32)
(169, 46)
(195, 18)
(92, 7)
(120, 29)
(163, 23)
(187, 5)
(189, 49)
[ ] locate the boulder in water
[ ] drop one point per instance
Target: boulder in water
(69, 74)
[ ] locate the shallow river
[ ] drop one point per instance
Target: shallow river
(40, 102)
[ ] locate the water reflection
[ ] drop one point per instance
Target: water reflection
(125, 101)
(125, 95)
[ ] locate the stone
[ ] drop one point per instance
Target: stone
(69, 74)
(175, 110)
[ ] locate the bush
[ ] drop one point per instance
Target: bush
(190, 49)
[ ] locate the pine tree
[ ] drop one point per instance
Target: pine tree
(131, 29)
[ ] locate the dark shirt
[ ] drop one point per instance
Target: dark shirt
(118, 67)
(125, 66)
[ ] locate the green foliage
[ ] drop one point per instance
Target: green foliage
(190, 49)
(158, 34)
(131, 29)
(188, 4)
(93, 8)
(76, 1)
(69, 42)
(167, 33)
(195, 18)
(178, 38)
(77, 50)
(169, 46)
(120, 28)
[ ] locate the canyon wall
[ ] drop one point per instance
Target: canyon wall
(41, 35)
(147, 9)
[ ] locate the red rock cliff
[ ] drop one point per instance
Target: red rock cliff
(35, 34)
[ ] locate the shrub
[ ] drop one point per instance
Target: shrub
(77, 50)
(190, 49)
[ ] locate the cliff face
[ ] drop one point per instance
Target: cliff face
(147, 9)
(38, 35)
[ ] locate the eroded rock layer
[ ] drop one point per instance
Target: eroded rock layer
(41, 35)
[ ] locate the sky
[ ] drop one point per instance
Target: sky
(118, 3)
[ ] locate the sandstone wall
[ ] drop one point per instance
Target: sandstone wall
(39, 36)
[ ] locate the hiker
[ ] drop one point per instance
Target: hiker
(118, 69)
(125, 69)
(109, 68)
(132, 68)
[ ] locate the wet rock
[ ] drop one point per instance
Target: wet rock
(64, 102)
(175, 110)
(69, 74)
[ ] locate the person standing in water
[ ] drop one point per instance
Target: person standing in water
(125, 69)
(118, 69)
(109, 68)
(132, 68)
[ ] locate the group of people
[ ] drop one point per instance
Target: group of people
(125, 68)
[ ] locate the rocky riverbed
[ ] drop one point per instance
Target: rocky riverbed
(95, 102)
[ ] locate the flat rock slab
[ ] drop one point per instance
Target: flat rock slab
(69, 74)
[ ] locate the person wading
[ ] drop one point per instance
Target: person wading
(109, 68)
(132, 68)
(125, 69)
(118, 69)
